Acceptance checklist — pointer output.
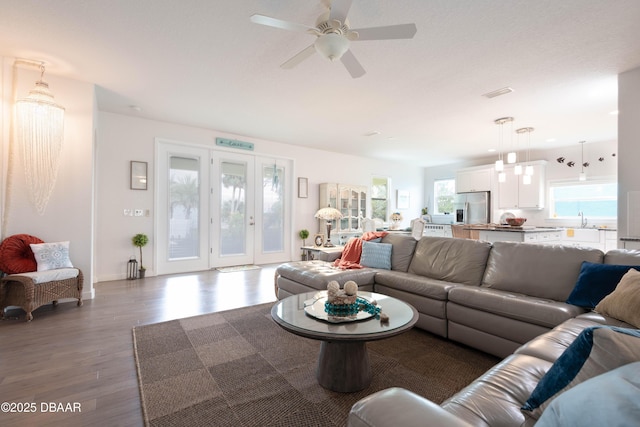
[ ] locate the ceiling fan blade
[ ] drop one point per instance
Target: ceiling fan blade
(352, 65)
(279, 23)
(339, 10)
(401, 31)
(299, 57)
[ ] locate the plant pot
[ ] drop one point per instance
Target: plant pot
(141, 272)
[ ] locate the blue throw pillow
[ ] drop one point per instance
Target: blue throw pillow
(595, 282)
(376, 255)
(613, 346)
(609, 399)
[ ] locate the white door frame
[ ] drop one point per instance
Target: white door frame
(209, 193)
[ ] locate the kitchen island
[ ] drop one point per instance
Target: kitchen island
(525, 234)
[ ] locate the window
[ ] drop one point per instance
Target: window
(379, 198)
(595, 199)
(444, 191)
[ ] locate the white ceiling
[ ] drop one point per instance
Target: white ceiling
(203, 63)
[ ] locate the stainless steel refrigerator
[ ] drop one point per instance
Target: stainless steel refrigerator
(472, 208)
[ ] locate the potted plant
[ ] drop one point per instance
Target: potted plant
(304, 234)
(140, 240)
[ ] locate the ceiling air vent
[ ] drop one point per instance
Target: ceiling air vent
(498, 92)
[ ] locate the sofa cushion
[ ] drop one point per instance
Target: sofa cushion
(595, 282)
(418, 285)
(495, 398)
(403, 247)
(624, 302)
(609, 399)
(537, 311)
(376, 255)
(452, 260)
(516, 267)
(317, 274)
(596, 350)
(622, 257)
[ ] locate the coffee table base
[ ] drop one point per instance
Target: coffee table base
(343, 366)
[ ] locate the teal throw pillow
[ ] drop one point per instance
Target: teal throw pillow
(595, 282)
(376, 255)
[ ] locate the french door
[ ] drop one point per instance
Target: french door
(217, 208)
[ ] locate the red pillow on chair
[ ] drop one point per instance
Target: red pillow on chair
(16, 255)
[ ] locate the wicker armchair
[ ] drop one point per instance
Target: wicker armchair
(22, 291)
(29, 289)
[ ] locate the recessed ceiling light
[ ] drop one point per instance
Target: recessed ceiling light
(551, 140)
(614, 112)
(491, 150)
(498, 92)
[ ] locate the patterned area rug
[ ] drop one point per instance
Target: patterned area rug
(239, 368)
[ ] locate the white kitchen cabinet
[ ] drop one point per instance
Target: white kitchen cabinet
(513, 194)
(538, 237)
(350, 200)
(437, 230)
(474, 179)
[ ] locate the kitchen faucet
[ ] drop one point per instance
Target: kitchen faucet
(583, 220)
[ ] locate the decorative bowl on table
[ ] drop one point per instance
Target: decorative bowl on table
(515, 222)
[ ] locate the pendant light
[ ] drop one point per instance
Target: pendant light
(511, 155)
(39, 134)
(528, 170)
(583, 175)
(499, 166)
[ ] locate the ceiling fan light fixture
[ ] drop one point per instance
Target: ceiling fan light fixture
(332, 46)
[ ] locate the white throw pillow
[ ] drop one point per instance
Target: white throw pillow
(50, 256)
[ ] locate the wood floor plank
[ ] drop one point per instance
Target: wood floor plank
(85, 354)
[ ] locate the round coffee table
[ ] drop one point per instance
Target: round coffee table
(343, 362)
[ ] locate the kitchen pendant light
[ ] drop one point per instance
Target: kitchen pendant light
(583, 175)
(511, 155)
(528, 169)
(499, 166)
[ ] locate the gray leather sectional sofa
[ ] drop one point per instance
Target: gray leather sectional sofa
(505, 298)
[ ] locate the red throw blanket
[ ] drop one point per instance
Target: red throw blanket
(353, 250)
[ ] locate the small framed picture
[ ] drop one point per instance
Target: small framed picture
(303, 188)
(318, 240)
(403, 199)
(138, 175)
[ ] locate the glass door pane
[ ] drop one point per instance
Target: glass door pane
(233, 213)
(272, 209)
(184, 206)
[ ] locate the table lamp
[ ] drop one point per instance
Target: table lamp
(328, 214)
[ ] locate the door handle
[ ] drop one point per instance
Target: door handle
(251, 221)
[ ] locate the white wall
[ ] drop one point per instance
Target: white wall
(628, 135)
(124, 138)
(69, 213)
(554, 172)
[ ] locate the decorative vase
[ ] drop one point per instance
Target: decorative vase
(141, 273)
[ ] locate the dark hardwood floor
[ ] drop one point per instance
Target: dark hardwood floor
(70, 354)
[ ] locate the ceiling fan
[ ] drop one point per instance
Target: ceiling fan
(333, 36)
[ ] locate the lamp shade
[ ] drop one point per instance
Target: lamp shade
(328, 214)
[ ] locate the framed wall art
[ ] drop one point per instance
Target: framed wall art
(303, 188)
(138, 175)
